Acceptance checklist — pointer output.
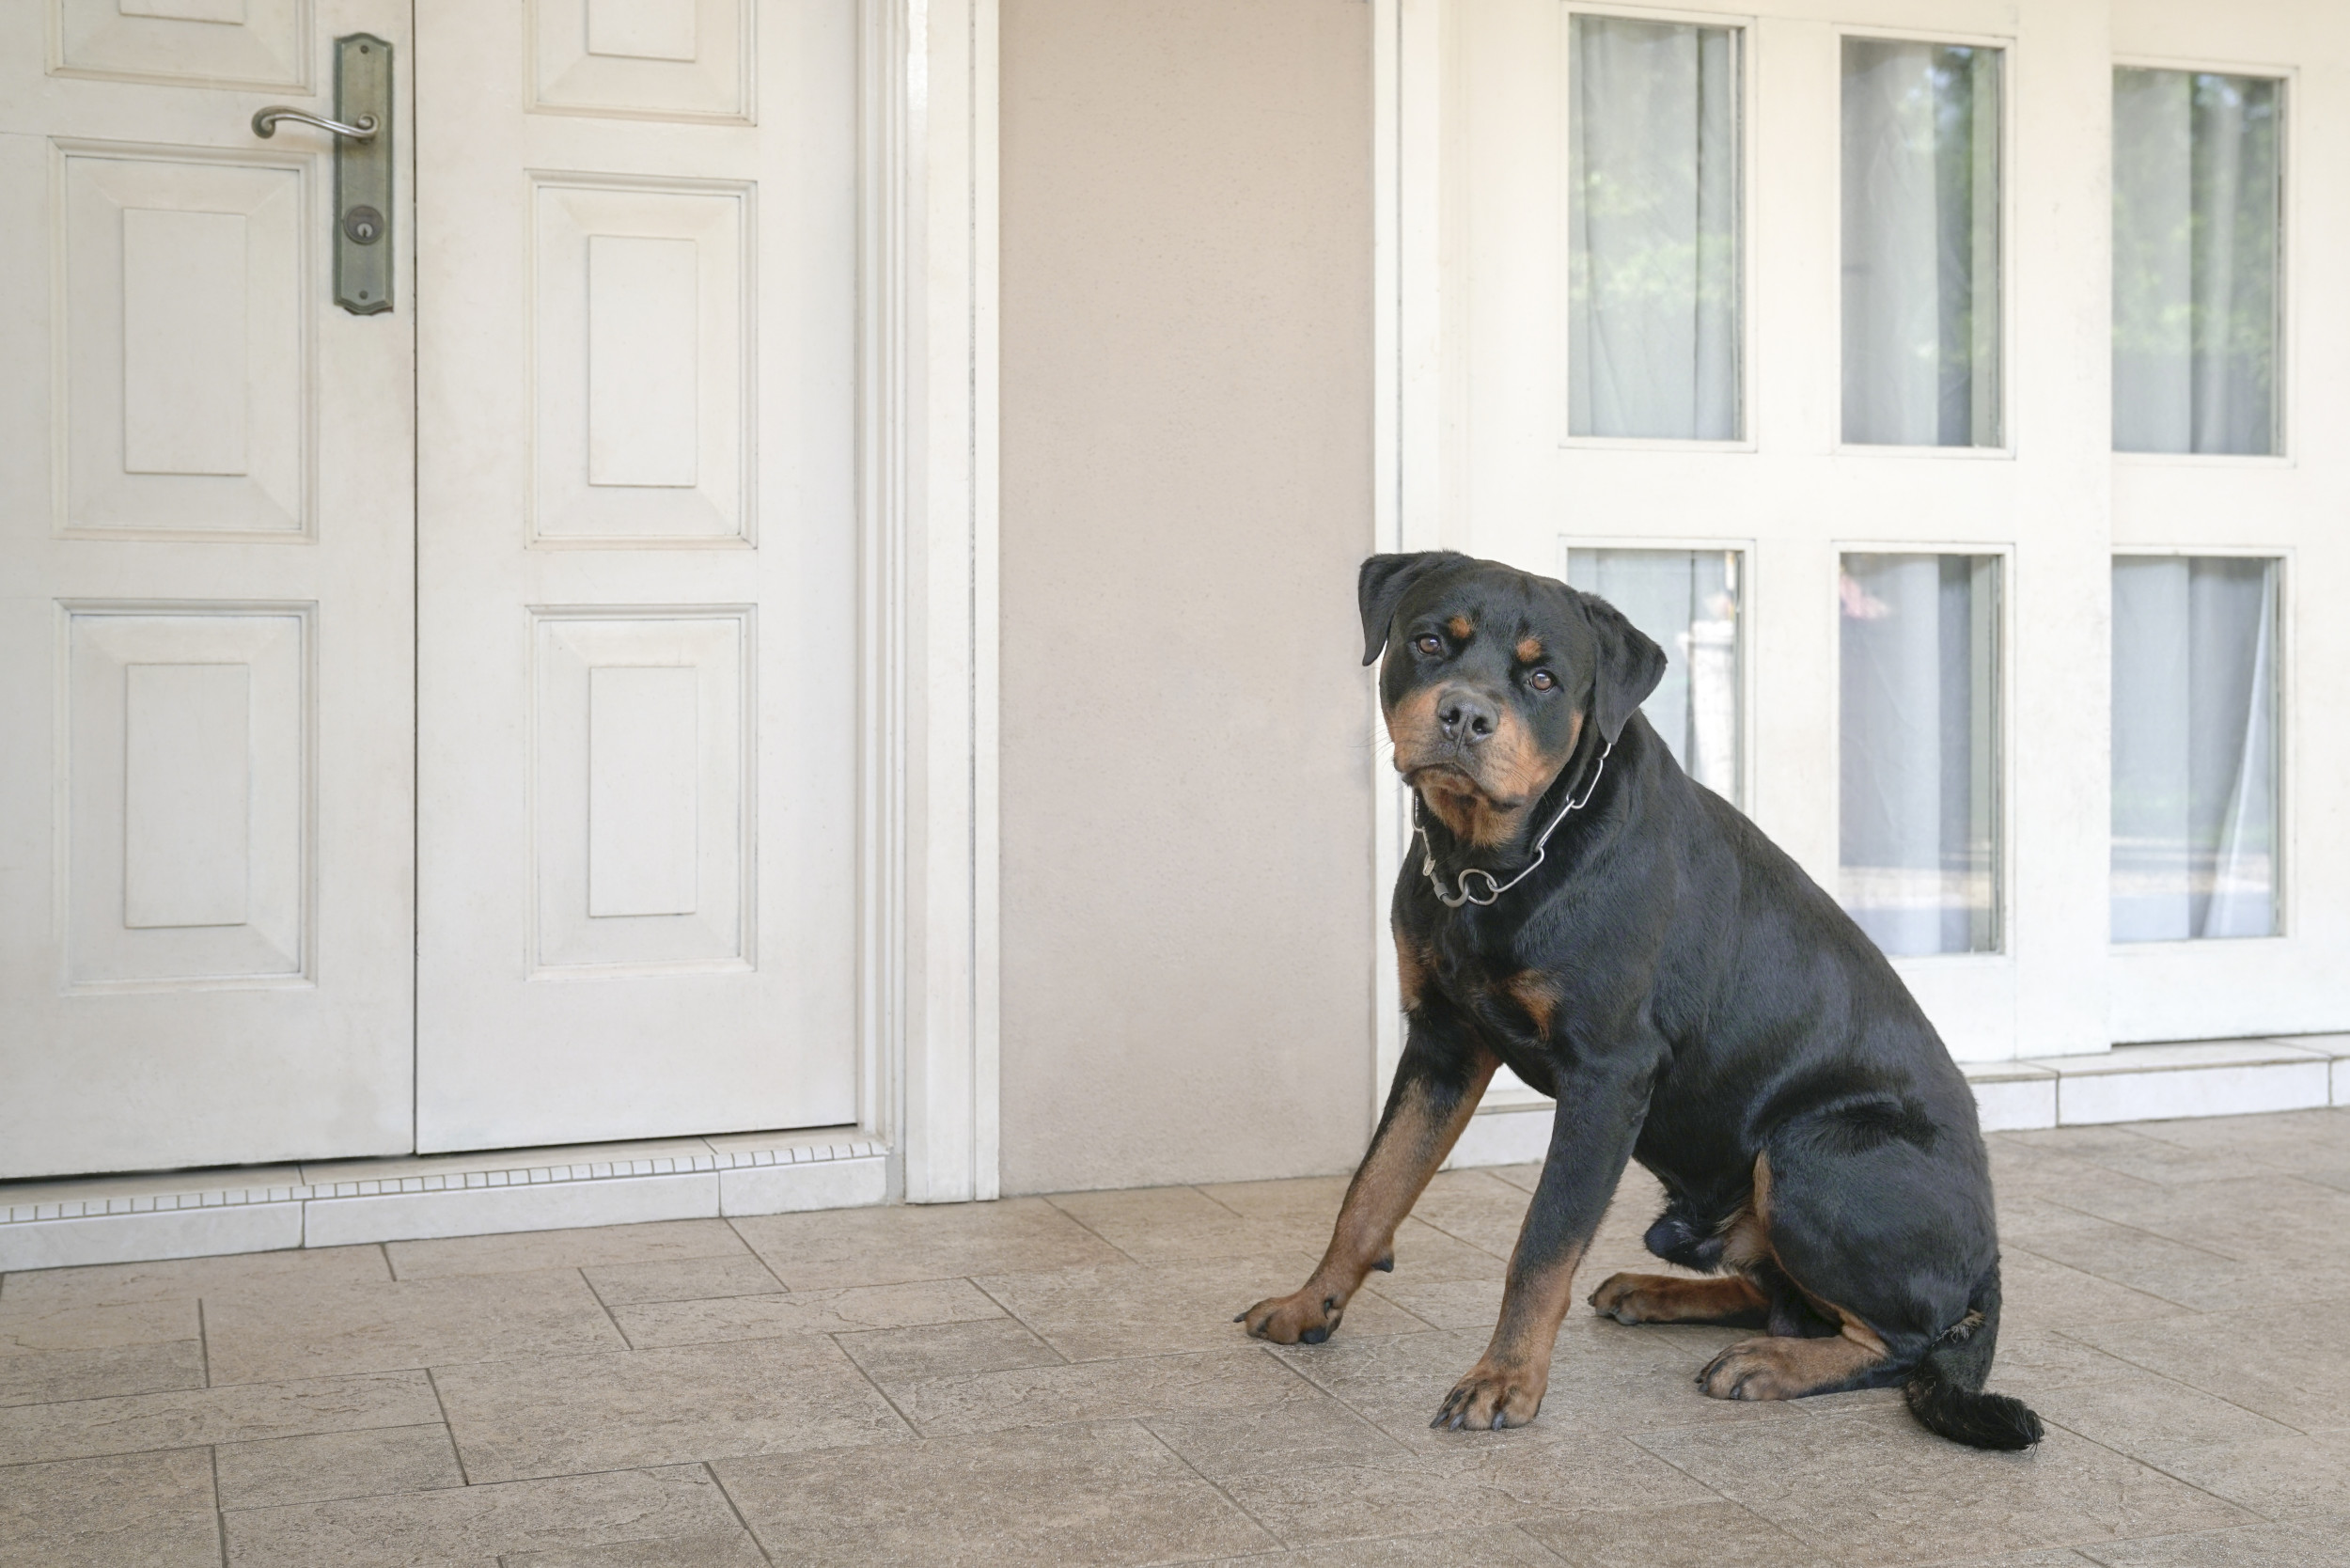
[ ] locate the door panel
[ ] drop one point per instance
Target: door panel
(205, 606)
(637, 570)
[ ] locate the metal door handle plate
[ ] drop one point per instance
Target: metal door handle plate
(265, 122)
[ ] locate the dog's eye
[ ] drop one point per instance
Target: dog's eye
(1541, 680)
(1431, 645)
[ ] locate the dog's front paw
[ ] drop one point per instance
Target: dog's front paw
(1492, 1396)
(1306, 1317)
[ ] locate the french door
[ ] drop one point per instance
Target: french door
(433, 727)
(1794, 333)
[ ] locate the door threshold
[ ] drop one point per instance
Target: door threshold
(2129, 1083)
(52, 1223)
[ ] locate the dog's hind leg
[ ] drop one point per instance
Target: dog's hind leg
(1730, 1298)
(1790, 1368)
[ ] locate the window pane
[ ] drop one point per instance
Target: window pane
(2194, 747)
(1653, 216)
(1922, 245)
(1919, 792)
(1688, 602)
(2196, 209)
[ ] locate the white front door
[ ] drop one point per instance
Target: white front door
(638, 660)
(205, 602)
(332, 824)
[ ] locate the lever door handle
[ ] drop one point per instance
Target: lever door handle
(265, 123)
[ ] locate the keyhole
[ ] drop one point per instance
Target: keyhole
(363, 225)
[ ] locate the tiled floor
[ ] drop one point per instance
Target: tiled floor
(1059, 1383)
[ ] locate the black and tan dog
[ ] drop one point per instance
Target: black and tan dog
(1626, 941)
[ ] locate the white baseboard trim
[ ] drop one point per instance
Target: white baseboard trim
(123, 1219)
(2129, 1083)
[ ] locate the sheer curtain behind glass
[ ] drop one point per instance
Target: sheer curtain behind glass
(1918, 782)
(1688, 602)
(2194, 747)
(1652, 217)
(1922, 245)
(2195, 225)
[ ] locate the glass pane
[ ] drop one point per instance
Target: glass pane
(1652, 217)
(2196, 211)
(1919, 751)
(1922, 245)
(1688, 602)
(2194, 747)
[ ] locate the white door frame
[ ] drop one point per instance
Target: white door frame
(927, 472)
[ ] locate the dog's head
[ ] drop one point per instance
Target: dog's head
(1492, 677)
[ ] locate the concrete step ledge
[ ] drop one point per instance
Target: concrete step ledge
(117, 1219)
(2129, 1083)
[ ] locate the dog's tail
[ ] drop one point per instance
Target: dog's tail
(1945, 1391)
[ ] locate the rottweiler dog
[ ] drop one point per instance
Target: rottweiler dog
(1575, 906)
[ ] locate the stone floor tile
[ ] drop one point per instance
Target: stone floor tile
(564, 1415)
(473, 1525)
(1137, 1308)
(2247, 1219)
(1304, 1199)
(2030, 1358)
(95, 1373)
(333, 1465)
(248, 1412)
(1165, 1224)
(720, 1319)
(1297, 1434)
(2023, 1171)
(686, 1279)
(2043, 1291)
(2139, 1408)
(1096, 1494)
(1442, 1303)
(1875, 1487)
(2316, 1543)
(2288, 1367)
(130, 1511)
(2026, 1214)
(410, 1323)
(1494, 1546)
(1694, 1535)
(2278, 1136)
(657, 1242)
(737, 1550)
(1523, 1177)
(2158, 1266)
(1474, 1207)
(2126, 1150)
(1206, 1383)
(1469, 1485)
(2288, 1477)
(899, 1357)
(921, 1241)
(113, 1284)
(78, 1326)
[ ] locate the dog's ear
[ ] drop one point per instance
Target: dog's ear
(1382, 584)
(1630, 665)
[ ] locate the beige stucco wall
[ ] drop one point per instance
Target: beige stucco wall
(1186, 770)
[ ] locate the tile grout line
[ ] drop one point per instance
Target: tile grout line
(2129, 1458)
(2160, 1375)
(875, 1384)
(1284, 1543)
(1096, 1234)
(589, 1286)
(203, 1343)
(448, 1426)
(973, 1281)
(220, 1517)
(757, 1546)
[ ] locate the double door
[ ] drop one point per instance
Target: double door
(430, 727)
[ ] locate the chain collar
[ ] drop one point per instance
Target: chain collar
(1495, 889)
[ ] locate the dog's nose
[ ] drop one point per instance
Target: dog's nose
(1465, 718)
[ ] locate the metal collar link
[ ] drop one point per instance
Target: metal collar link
(1494, 887)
